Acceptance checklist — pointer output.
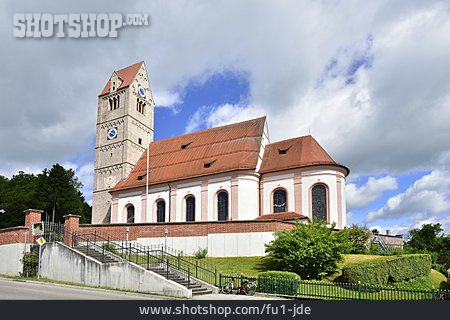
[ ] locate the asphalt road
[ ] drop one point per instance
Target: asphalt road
(12, 289)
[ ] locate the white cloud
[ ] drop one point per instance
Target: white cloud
(359, 197)
(428, 197)
(166, 99)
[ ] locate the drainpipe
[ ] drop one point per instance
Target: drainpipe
(170, 200)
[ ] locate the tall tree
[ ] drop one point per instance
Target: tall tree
(59, 193)
(56, 190)
(16, 195)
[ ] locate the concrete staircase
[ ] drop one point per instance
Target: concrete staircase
(196, 288)
(97, 254)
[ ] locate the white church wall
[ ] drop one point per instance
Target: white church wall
(344, 206)
(124, 201)
(285, 181)
(214, 186)
(248, 197)
(327, 177)
(183, 190)
(219, 244)
(155, 194)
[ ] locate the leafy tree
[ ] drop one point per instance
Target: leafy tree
(16, 195)
(59, 192)
(425, 238)
(358, 239)
(429, 238)
(311, 250)
(57, 189)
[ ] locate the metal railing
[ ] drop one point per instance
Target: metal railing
(339, 291)
(163, 259)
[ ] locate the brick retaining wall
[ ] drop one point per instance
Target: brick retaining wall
(183, 229)
(13, 235)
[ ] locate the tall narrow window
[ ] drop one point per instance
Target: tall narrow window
(222, 206)
(161, 211)
(319, 202)
(190, 209)
(279, 201)
(130, 214)
(110, 104)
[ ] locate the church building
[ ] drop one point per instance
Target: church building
(227, 173)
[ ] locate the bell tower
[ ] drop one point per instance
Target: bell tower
(124, 130)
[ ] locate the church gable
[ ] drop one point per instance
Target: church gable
(124, 76)
(295, 153)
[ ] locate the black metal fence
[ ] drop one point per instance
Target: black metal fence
(338, 291)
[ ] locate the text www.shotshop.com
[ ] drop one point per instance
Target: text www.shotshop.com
(267, 308)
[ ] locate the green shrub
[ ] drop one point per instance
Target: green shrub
(278, 282)
(30, 264)
(358, 239)
(380, 273)
(311, 250)
(109, 247)
(201, 253)
(279, 275)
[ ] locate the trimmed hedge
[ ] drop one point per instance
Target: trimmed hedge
(380, 273)
(278, 282)
(279, 275)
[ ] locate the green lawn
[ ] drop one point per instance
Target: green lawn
(249, 266)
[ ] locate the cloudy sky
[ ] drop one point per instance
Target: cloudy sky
(369, 79)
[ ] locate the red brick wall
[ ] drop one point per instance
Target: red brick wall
(183, 229)
(13, 235)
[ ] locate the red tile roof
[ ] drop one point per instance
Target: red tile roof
(226, 148)
(295, 153)
(127, 76)
(282, 216)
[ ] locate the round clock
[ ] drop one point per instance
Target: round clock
(141, 91)
(112, 133)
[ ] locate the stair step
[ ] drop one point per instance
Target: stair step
(198, 293)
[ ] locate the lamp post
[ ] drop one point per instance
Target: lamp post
(166, 232)
(126, 255)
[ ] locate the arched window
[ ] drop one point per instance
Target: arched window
(161, 211)
(279, 201)
(130, 214)
(319, 202)
(190, 209)
(222, 206)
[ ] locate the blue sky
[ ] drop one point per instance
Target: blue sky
(369, 80)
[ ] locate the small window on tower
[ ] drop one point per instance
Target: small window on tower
(140, 141)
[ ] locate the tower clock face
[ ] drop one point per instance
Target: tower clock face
(141, 91)
(112, 133)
